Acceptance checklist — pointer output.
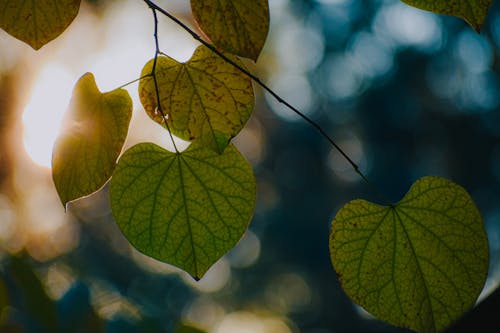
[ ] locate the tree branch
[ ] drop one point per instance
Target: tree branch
(257, 80)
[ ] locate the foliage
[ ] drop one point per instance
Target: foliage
(248, 22)
(186, 208)
(425, 256)
(419, 263)
(204, 99)
(472, 11)
(37, 22)
(86, 152)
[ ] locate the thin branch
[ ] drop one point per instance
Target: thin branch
(257, 80)
(155, 80)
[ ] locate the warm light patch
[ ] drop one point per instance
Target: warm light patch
(44, 112)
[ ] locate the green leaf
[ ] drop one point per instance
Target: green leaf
(187, 209)
(237, 26)
(91, 140)
(204, 99)
(37, 22)
(474, 12)
(420, 263)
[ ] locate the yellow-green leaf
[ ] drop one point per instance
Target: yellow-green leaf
(237, 26)
(92, 137)
(418, 264)
(474, 12)
(187, 209)
(37, 22)
(204, 99)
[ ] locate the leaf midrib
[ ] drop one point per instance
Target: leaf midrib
(412, 247)
(188, 217)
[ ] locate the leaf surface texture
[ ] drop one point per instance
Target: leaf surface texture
(239, 27)
(419, 264)
(204, 99)
(37, 22)
(187, 209)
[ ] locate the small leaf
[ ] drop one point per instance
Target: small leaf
(37, 22)
(92, 137)
(474, 12)
(237, 26)
(187, 209)
(204, 98)
(419, 264)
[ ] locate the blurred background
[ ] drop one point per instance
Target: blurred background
(404, 92)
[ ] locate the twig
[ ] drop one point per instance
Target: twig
(155, 80)
(257, 80)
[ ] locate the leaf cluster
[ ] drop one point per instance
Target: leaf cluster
(419, 263)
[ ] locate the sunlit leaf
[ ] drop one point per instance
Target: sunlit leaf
(187, 209)
(419, 264)
(237, 26)
(205, 98)
(37, 22)
(474, 12)
(86, 151)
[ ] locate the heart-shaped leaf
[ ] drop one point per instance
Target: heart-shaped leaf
(187, 209)
(37, 22)
(474, 12)
(91, 140)
(204, 99)
(420, 263)
(237, 26)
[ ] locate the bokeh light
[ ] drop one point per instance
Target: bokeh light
(44, 112)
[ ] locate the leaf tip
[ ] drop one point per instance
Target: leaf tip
(36, 46)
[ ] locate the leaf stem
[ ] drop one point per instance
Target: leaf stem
(259, 82)
(155, 80)
(133, 81)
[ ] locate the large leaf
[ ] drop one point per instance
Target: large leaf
(237, 26)
(474, 12)
(420, 263)
(86, 151)
(187, 209)
(204, 98)
(37, 22)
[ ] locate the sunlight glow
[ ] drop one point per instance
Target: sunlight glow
(44, 112)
